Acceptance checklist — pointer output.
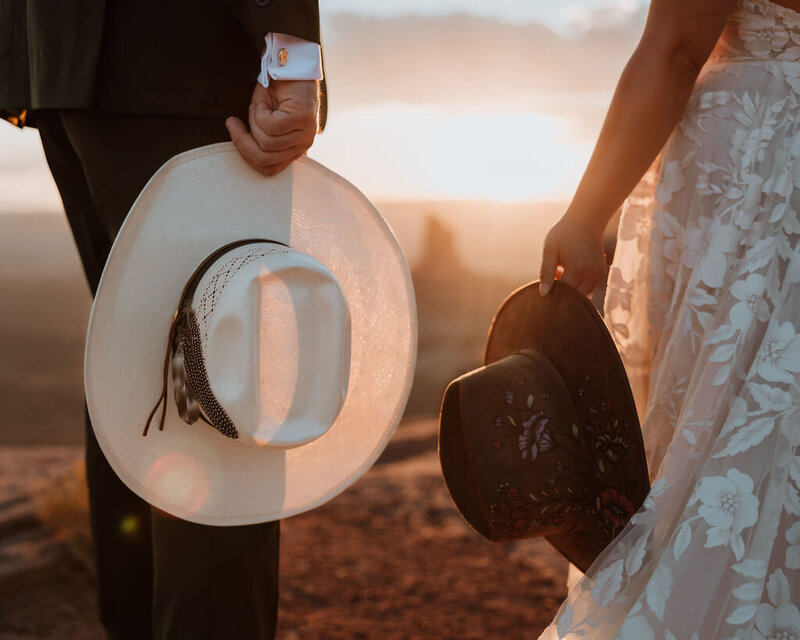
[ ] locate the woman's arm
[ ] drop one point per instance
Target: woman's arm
(650, 97)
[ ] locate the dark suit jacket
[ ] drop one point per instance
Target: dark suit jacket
(166, 57)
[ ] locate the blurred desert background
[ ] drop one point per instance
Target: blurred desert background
(468, 124)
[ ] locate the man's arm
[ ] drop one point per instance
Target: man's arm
(299, 18)
(284, 108)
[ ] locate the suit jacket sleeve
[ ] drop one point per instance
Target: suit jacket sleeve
(295, 17)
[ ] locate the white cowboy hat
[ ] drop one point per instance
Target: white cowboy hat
(295, 337)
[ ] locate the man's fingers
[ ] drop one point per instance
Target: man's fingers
(547, 273)
(274, 163)
(271, 159)
(278, 143)
(235, 128)
(266, 162)
(244, 142)
(281, 121)
(276, 169)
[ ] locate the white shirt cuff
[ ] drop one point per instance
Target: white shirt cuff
(289, 58)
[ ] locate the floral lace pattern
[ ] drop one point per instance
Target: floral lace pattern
(704, 305)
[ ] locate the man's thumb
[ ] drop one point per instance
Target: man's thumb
(235, 127)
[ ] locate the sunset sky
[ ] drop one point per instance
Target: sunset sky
(452, 100)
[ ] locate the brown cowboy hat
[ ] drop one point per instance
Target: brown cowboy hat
(544, 439)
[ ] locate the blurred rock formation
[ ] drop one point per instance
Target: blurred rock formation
(455, 304)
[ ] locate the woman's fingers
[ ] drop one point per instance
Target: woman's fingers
(573, 278)
(585, 287)
(573, 255)
(583, 280)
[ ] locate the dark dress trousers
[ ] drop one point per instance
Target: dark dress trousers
(116, 88)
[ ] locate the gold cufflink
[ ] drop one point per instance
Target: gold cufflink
(283, 57)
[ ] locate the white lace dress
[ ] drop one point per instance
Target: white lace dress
(704, 304)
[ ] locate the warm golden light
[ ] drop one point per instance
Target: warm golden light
(180, 479)
(425, 152)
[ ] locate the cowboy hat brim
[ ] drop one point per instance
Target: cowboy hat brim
(197, 202)
(566, 328)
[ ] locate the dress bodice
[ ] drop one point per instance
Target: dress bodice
(760, 30)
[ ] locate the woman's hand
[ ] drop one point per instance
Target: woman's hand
(577, 246)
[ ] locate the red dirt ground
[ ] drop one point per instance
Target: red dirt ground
(389, 559)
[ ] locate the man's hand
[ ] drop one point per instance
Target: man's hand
(283, 123)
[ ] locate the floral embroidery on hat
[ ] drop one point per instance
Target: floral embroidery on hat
(586, 482)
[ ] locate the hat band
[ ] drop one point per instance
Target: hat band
(194, 398)
(183, 342)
